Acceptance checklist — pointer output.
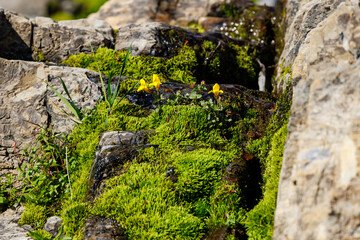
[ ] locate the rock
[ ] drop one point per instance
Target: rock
(9, 229)
(47, 40)
(16, 36)
(36, 8)
(319, 183)
(301, 18)
(161, 40)
(53, 225)
(104, 229)
(119, 13)
(26, 102)
(115, 149)
(56, 41)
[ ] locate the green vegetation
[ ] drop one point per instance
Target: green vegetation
(82, 8)
(34, 215)
(190, 64)
(219, 150)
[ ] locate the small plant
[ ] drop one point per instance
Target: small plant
(8, 193)
(69, 104)
(43, 235)
(44, 176)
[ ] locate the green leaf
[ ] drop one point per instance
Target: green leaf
(3, 200)
(37, 236)
(76, 111)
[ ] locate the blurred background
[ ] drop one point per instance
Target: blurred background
(56, 9)
(67, 9)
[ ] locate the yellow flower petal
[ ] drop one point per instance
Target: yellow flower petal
(216, 90)
(143, 86)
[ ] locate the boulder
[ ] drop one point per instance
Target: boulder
(56, 41)
(104, 229)
(319, 183)
(16, 36)
(9, 229)
(115, 149)
(27, 103)
(119, 13)
(47, 40)
(53, 225)
(301, 18)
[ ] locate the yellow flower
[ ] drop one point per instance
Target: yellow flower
(143, 86)
(216, 90)
(156, 82)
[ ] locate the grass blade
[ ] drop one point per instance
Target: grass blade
(109, 91)
(76, 111)
(66, 90)
(135, 85)
(121, 72)
(68, 115)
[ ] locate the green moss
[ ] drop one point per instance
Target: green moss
(225, 208)
(259, 221)
(198, 172)
(73, 218)
(197, 27)
(285, 73)
(189, 65)
(40, 57)
(144, 202)
(34, 215)
(179, 68)
(178, 126)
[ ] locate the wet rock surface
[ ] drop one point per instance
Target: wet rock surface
(115, 150)
(104, 229)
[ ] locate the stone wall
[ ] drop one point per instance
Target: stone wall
(319, 186)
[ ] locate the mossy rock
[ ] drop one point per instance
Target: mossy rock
(191, 64)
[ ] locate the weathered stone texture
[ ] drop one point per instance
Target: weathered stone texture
(56, 41)
(9, 229)
(119, 13)
(320, 178)
(301, 18)
(16, 33)
(44, 39)
(26, 102)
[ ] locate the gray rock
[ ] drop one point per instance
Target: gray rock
(122, 138)
(104, 229)
(53, 225)
(27, 102)
(119, 13)
(44, 39)
(9, 229)
(115, 149)
(16, 36)
(319, 183)
(301, 18)
(55, 42)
